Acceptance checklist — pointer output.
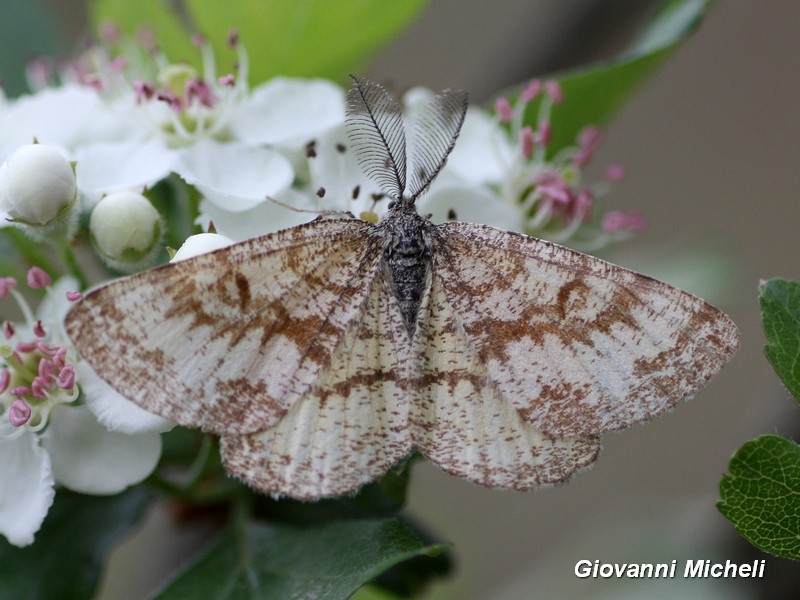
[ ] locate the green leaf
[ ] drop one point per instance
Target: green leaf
(267, 562)
(593, 94)
(67, 556)
(305, 38)
(761, 495)
(780, 317)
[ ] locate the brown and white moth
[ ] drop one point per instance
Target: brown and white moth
(325, 353)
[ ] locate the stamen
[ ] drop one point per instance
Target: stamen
(614, 173)
(6, 285)
(19, 413)
(110, 32)
(143, 91)
(531, 90)
(5, 379)
(20, 390)
(37, 278)
(26, 347)
(544, 134)
(74, 296)
(554, 91)
(526, 142)
(66, 378)
(503, 109)
(38, 330)
(199, 90)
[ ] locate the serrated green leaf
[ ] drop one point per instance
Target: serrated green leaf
(283, 562)
(68, 554)
(761, 495)
(303, 38)
(593, 94)
(780, 317)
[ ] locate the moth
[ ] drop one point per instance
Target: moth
(325, 353)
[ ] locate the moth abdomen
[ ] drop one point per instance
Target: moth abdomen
(406, 261)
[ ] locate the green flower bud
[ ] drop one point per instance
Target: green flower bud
(125, 230)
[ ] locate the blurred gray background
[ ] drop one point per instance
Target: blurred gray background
(710, 144)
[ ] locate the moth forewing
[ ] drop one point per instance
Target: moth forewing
(228, 341)
(579, 346)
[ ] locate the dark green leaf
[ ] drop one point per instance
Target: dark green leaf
(593, 94)
(780, 317)
(761, 495)
(282, 562)
(69, 552)
(409, 578)
(312, 38)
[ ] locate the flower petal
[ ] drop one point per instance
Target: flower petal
(113, 410)
(289, 112)
(259, 220)
(470, 204)
(88, 458)
(483, 153)
(234, 176)
(104, 168)
(65, 116)
(336, 169)
(27, 491)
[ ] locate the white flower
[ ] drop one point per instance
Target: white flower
(48, 437)
(235, 146)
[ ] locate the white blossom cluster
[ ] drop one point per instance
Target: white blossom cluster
(112, 130)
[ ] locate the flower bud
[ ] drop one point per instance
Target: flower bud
(125, 230)
(37, 188)
(200, 244)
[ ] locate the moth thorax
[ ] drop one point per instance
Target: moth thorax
(406, 260)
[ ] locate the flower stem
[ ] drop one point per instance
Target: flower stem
(68, 256)
(30, 250)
